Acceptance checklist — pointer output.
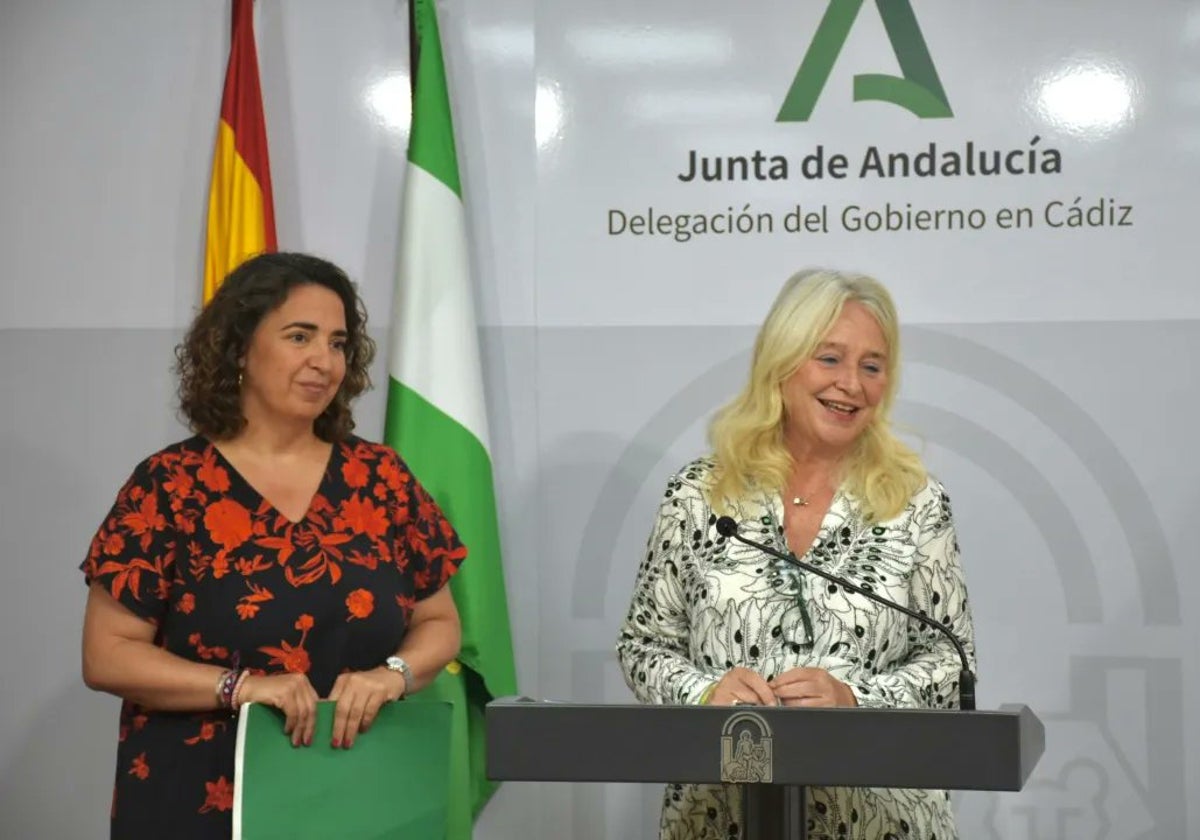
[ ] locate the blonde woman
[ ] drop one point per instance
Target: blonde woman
(805, 459)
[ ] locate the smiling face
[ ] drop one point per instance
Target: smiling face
(296, 359)
(832, 397)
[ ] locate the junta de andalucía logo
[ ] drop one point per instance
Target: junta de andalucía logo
(918, 90)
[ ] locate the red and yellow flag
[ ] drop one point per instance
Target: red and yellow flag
(241, 218)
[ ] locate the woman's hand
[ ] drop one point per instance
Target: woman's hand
(359, 696)
(292, 694)
(812, 687)
(741, 686)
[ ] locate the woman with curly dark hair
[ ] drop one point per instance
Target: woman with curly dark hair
(273, 557)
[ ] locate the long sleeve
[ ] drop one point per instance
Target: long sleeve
(927, 677)
(654, 642)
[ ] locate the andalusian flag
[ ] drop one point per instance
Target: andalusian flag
(241, 219)
(436, 417)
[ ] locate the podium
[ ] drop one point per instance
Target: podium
(774, 752)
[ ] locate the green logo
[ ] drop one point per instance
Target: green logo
(919, 90)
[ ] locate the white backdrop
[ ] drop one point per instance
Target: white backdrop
(1047, 371)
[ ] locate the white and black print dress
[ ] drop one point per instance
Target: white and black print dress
(703, 604)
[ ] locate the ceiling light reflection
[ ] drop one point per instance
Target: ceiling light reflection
(1087, 99)
(547, 114)
(625, 46)
(502, 41)
(701, 106)
(390, 101)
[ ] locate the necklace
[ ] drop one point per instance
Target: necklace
(799, 501)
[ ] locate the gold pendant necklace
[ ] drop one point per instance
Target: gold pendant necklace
(799, 501)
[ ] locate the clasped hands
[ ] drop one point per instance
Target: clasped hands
(814, 687)
(358, 694)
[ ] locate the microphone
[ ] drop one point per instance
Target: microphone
(727, 527)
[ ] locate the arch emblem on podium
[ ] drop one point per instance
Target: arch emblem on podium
(747, 754)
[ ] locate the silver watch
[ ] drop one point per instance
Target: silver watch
(395, 663)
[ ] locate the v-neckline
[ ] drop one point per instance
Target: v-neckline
(777, 506)
(236, 473)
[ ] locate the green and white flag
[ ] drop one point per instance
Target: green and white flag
(436, 417)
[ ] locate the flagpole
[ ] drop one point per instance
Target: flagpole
(414, 49)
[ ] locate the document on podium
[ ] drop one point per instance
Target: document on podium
(393, 782)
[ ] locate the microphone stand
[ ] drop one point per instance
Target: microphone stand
(727, 527)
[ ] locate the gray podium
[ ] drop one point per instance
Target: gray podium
(774, 752)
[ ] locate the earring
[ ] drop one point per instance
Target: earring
(240, 379)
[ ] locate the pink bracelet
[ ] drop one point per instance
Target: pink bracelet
(235, 701)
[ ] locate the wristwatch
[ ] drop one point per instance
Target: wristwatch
(395, 663)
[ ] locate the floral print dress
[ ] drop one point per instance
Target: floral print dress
(226, 579)
(703, 604)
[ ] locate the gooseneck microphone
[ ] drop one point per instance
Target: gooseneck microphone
(728, 527)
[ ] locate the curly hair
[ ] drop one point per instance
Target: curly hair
(210, 357)
(747, 434)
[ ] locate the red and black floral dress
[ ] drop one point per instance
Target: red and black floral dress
(228, 580)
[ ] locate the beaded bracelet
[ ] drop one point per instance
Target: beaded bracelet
(225, 686)
(235, 701)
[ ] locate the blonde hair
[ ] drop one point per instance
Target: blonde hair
(747, 434)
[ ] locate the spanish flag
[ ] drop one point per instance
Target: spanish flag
(241, 218)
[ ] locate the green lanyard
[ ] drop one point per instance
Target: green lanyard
(776, 537)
